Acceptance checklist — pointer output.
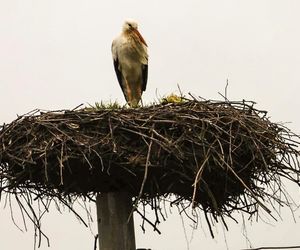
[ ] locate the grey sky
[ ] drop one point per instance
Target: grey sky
(55, 54)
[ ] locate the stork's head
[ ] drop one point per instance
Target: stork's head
(130, 28)
(130, 24)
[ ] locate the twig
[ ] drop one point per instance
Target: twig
(144, 178)
(261, 248)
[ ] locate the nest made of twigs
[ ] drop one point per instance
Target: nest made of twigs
(215, 155)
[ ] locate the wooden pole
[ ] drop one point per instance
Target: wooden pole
(113, 210)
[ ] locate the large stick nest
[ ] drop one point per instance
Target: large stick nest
(218, 156)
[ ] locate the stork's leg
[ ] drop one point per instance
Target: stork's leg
(136, 94)
(127, 92)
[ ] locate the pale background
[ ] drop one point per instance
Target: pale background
(55, 54)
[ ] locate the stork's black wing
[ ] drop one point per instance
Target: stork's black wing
(118, 73)
(144, 76)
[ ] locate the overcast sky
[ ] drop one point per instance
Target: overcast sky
(55, 54)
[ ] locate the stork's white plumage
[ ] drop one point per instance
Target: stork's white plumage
(130, 58)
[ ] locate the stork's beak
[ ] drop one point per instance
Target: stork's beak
(140, 37)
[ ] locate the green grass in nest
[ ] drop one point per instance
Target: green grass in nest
(98, 106)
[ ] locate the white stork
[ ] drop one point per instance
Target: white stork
(129, 51)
